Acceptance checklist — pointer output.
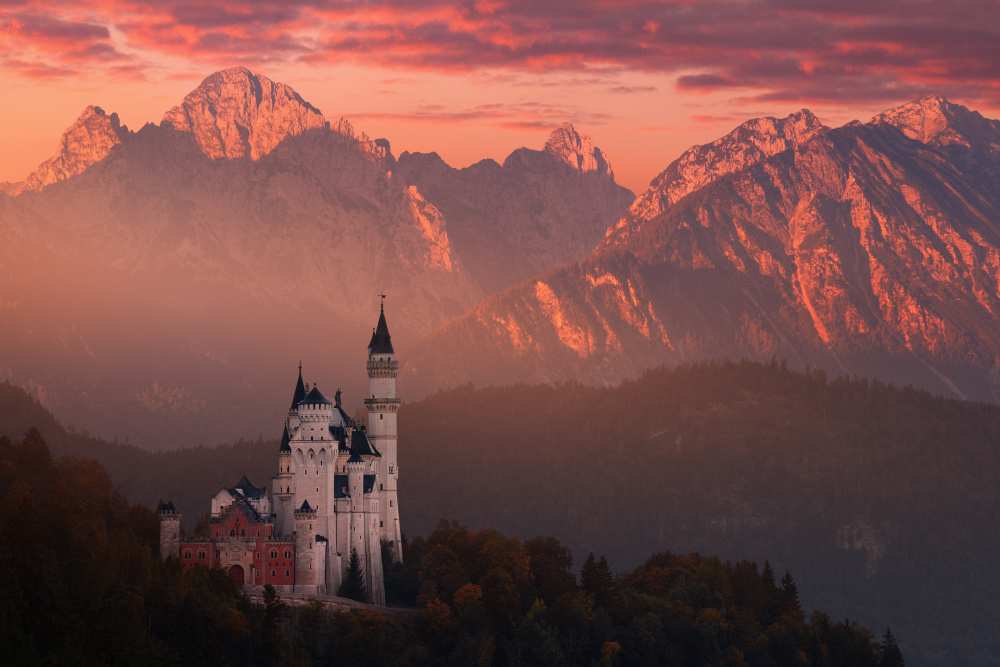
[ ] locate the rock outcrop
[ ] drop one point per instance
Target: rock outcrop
(236, 113)
(87, 141)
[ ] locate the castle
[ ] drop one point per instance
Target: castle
(335, 495)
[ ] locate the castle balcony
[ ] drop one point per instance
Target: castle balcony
(382, 404)
(382, 367)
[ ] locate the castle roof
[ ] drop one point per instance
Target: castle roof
(245, 488)
(306, 507)
(300, 390)
(316, 396)
(285, 446)
(167, 506)
(361, 445)
(340, 483)
(381, 342)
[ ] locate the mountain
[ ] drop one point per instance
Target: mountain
(87, 141)
(163, 283)
(866, 249)
(537, 210)
(236, 113)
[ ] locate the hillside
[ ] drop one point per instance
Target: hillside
(868, 493)
(87, 587)
(871, 248)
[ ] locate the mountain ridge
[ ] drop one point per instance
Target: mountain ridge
(243, 230)
(857, 249)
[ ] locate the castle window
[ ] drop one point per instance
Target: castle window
(232, 533)
(274, 573)
(187, 555)
(379, 487)
(201, 555)
(286, 573)
(380, 524)
(288, 554)
(274, 553)
(243, 533)
(390, 503)
(380, 416)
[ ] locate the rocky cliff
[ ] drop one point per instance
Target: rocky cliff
(871, 248)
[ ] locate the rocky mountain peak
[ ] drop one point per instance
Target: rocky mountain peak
(88, 140)
(751, 142)
(936, 121)
(576, 150)
(236, 113)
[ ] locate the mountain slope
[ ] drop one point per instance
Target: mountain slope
(859, 249)
(163, 282)
(537, 210)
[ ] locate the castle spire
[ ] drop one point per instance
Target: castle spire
(300, 390)
(381, 342)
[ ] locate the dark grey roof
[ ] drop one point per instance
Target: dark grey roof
(340, 486)
(306, 507)
(316, 396)
(246, 488)
(321, 539)
(285, 447)
(300, 390)
(167, 506)
(381, 342)
(361, 445)
(346, 417)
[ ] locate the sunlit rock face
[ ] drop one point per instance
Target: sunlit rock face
(750, 143)
(87, 141)
(871, 249)
(156, 291)
(236, 113)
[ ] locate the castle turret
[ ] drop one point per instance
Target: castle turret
(310, 569)
(383, 406)
(283, 487)
(170, 530)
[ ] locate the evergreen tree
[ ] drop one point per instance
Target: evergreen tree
(596, 579)
(353, 586)
(889, 653)
(790, 594)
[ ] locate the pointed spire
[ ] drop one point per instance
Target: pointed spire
(381, 342)
(285, 440)
(300, 390)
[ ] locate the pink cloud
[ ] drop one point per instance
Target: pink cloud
(827, 50)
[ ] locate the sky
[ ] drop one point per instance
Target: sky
(479, 78)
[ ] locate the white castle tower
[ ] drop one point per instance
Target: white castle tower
(334, 495)
(382, 407)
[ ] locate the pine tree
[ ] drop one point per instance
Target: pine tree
(353, 586)
(889, 653)
(596, 579)
(790, 594)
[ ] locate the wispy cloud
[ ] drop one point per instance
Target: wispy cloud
(774, 49)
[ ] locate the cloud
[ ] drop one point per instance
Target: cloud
(824, 50)
(515, 115)
(631, 90)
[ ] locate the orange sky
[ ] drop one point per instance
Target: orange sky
(644, 79)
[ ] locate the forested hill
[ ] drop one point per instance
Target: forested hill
(883, 500)
(85, 587)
